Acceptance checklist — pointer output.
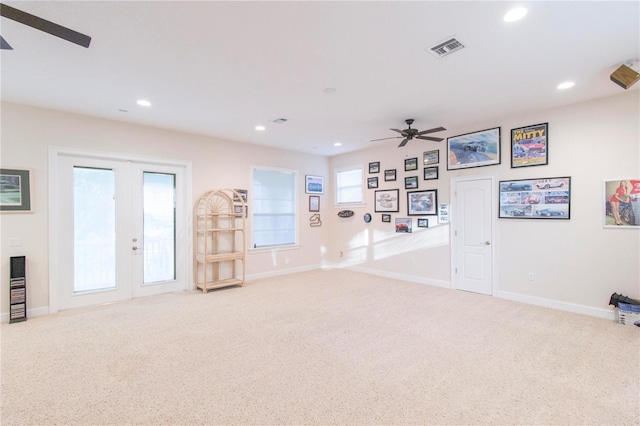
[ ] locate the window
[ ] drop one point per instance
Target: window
(273, 202)
(349, 185)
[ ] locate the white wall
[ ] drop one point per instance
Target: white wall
(577, 264)
(27, 133)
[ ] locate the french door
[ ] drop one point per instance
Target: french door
(121, 229)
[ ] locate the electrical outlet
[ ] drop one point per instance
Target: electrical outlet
(530, 276)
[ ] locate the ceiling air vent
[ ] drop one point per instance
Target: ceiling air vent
(446, 48)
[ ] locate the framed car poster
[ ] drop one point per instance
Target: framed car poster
(530, 146)
(546, 198)
(475, 149)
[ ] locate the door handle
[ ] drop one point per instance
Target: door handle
(487, 243)
(134, 248)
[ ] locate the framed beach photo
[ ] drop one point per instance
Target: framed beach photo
(420, 203)
(386, 200)
(411, 182)
(423, 223)
(374, 167)
(15, 190)
(431, 157)
(410, 164)
(390, 175)
(314, 184)
(475, 149)
(430, 173)
(530, 146)
(372, 182)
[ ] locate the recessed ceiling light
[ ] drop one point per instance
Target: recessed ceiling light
(260, 128)
(142, 102)
(337, 144)
(515, 14)
(566, 85)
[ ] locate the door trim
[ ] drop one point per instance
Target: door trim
(54, 232)
(494, 214)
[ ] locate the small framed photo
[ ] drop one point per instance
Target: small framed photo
(386, 200)
(431, 157)
(431, 173)
(411, 182)
(390, 175)
(403, 225)
(410, 164)
(372, 182)
(530, 146)
(237, 209)
(374, 167)
(423, 223)
(420, 203)
(15, 190)
(475, 149)
(314, 184)
(241, 193)
(314, 203)
(386, 218)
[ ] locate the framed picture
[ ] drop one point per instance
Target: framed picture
(431, 157)
(548, 198)
(390, 175)
(403, 225)
(386, 218)
(15, 190)
(422, 203)
(242, 193)
(237, 209)
(314, 203)
(475, 149)
(622, 203)
(386, 200)
(411, 182)
(423, 223)
(430, 173)
(372, 182)
(314, 184)
(374, 167)
(410, 164)
(530, 146)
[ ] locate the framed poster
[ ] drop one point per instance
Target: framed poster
(431, 157)
(386, 200)
(374, 167)
(420, 203)
(548, 198)
(314, 184)
(15, 190)
(475, 149)
(530, 146)
(622, 203)
(372, 182)
(430, 173)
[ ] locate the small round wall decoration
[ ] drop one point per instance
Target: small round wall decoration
(367, 217)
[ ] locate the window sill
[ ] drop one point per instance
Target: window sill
(270, 249)
(350, 206)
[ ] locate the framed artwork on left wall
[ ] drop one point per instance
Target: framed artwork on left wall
(15, 190)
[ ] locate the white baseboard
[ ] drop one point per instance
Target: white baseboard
(555, 304)
(36, 312)
(280, 272)
(398, 276)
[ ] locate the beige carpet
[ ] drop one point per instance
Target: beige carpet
(323, 347)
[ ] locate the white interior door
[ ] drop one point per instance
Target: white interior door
(122, 230)
(473, 235)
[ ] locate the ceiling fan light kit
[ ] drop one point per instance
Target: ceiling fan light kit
(409, 134)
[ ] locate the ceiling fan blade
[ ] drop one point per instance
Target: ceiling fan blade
(403, 143)
(384, 139)
(429, 138)
(436, 129)
(402, 132)
(4, 45)
(44, 25)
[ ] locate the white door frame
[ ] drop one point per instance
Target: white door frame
(55, 255)
(452, 229)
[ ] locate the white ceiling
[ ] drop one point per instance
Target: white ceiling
(221, 68)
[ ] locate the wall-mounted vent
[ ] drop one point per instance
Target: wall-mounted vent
(446, 48)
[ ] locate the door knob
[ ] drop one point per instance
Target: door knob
(134, 248)
(487, 243)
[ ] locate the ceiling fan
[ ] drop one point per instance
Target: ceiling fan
(42, 25)
(410, 133)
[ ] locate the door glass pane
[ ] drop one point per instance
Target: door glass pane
(94, 229)
(159, 227)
